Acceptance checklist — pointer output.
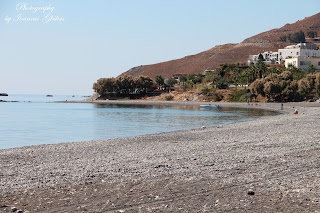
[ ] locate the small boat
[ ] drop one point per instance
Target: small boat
(209, 106)
(49, 95)
(3, 94)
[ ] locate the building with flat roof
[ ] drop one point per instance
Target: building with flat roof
(299, 55)
(269, 58)
(303, 62)
(299, 50)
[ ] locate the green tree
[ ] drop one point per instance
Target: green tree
(190, 83)
(242, 78)
(198, 79)
(283, 38)
(159, 80)
(311, 69)
(104, 85)
(312, 34)
(250, 74)
(183, 79)
(290, 92)
(297, 37)
(221, 71)
(304, 87)
(272, 90)
(297, 73)
(311, 80)
(98, 88)
(260, 57)
(284, 87)
(289, 38)
(118, 85)
(144, 84)
(257, 87)
(128, 84)
(272, 70)
(171, 82)
(191, 77)
(260, 68)
(209, 77)
(222, 83)
(125, 84)
(286, 75)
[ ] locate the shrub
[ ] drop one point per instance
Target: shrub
(272, 89)
(241, 95)
(169, 97)
(290, 92)
(283, 38)
(212, 95)
(257, 87)
(104, 85)
(205, 90)
(221, 84)
(124, 99)
(297, 37)
(159, 80)
(286, 75)
(312, 34)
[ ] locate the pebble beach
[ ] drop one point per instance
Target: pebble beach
(271, 164)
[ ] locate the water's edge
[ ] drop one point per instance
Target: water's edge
(170, 104)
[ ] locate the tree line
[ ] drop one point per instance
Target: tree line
(123, 85)
(272, 81)
(298, 37)
(283, 87)
(295, 37)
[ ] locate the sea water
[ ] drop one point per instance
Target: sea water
(36, 119)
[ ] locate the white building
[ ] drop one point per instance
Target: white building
(299, 50)
(268, 57)
(303, 62)
(253, 59)
(274, 56)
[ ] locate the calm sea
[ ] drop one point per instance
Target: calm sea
(36, 120)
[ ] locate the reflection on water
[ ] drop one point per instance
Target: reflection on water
(46, 123)
(145, 119)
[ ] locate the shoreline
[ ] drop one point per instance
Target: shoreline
(244, 106)
(214, 169)
(265, 106)
(288, 107)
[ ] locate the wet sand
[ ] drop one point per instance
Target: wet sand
(266, 165)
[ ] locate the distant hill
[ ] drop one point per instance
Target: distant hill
(228, 53)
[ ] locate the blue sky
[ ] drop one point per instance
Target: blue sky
(103, 38)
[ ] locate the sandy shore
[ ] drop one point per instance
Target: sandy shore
(266, 165)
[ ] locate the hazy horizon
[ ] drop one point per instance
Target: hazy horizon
(58, 47)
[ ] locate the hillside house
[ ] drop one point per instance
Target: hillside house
(303, 62)
(269, 58)
(299, 50)
(299, 55)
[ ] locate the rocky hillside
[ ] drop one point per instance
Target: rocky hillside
(228, 53)
(311, 23)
